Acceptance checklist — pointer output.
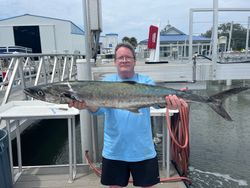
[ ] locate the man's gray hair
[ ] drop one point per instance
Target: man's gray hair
(126, 45)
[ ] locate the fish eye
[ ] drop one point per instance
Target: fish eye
(40, 93)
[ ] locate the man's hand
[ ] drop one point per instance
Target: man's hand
(78, 104)
(173, 102)
(82, 105)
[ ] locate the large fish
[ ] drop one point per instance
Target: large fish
(124, 95)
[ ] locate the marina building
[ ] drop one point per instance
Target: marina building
(108, 43)
(40, 34)
(174, 44)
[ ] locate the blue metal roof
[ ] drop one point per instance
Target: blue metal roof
(179, 38)
(169, 38)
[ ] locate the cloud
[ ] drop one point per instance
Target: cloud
(130, 17)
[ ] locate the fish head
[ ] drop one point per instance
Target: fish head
(47, 93)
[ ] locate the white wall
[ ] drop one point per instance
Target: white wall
(47, 37)
(6, 36)
(55, 34)
(107, 40)
(78, 43)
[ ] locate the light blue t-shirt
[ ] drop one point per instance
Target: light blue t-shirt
(127, 135)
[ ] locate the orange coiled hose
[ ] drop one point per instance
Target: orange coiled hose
(179, 133)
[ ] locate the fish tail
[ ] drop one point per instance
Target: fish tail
(216, 101)
(219, 109)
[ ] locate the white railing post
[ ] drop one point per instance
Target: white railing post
(215, 38)
(247, 37)
(12, 79)
(85, 119)
(54, 69)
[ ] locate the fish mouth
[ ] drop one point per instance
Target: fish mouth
(27, 91)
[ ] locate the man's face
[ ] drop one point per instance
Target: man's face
(125, 62)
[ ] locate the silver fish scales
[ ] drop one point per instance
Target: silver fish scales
(123, 95)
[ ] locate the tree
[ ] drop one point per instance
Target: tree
(125, 39)
(238, 40)
(132, 41)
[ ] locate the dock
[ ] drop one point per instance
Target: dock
(55, 176)
(71, 175)
(59, 175)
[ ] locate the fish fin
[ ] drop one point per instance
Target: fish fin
(215, 101)
(219, 109)
(130, 82)
(157, 106)
(70, 95)
(227, 93)
(65, 94)
(134, 110)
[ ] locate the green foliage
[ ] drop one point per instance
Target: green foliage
(238, 40)
(132, 41)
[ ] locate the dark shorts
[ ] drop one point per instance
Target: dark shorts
(144, 173)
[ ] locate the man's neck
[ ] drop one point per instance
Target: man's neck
(126, 75)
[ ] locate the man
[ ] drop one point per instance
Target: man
(128, 144)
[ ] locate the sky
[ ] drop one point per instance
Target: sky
(131, 18)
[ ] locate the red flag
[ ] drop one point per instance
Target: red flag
(152, 38)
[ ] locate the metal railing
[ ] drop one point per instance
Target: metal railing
(23, 70)
(12, 49)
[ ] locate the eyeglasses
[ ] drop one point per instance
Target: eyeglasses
(124, 58)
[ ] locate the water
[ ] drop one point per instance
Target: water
(220, 149)
(43, 142)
